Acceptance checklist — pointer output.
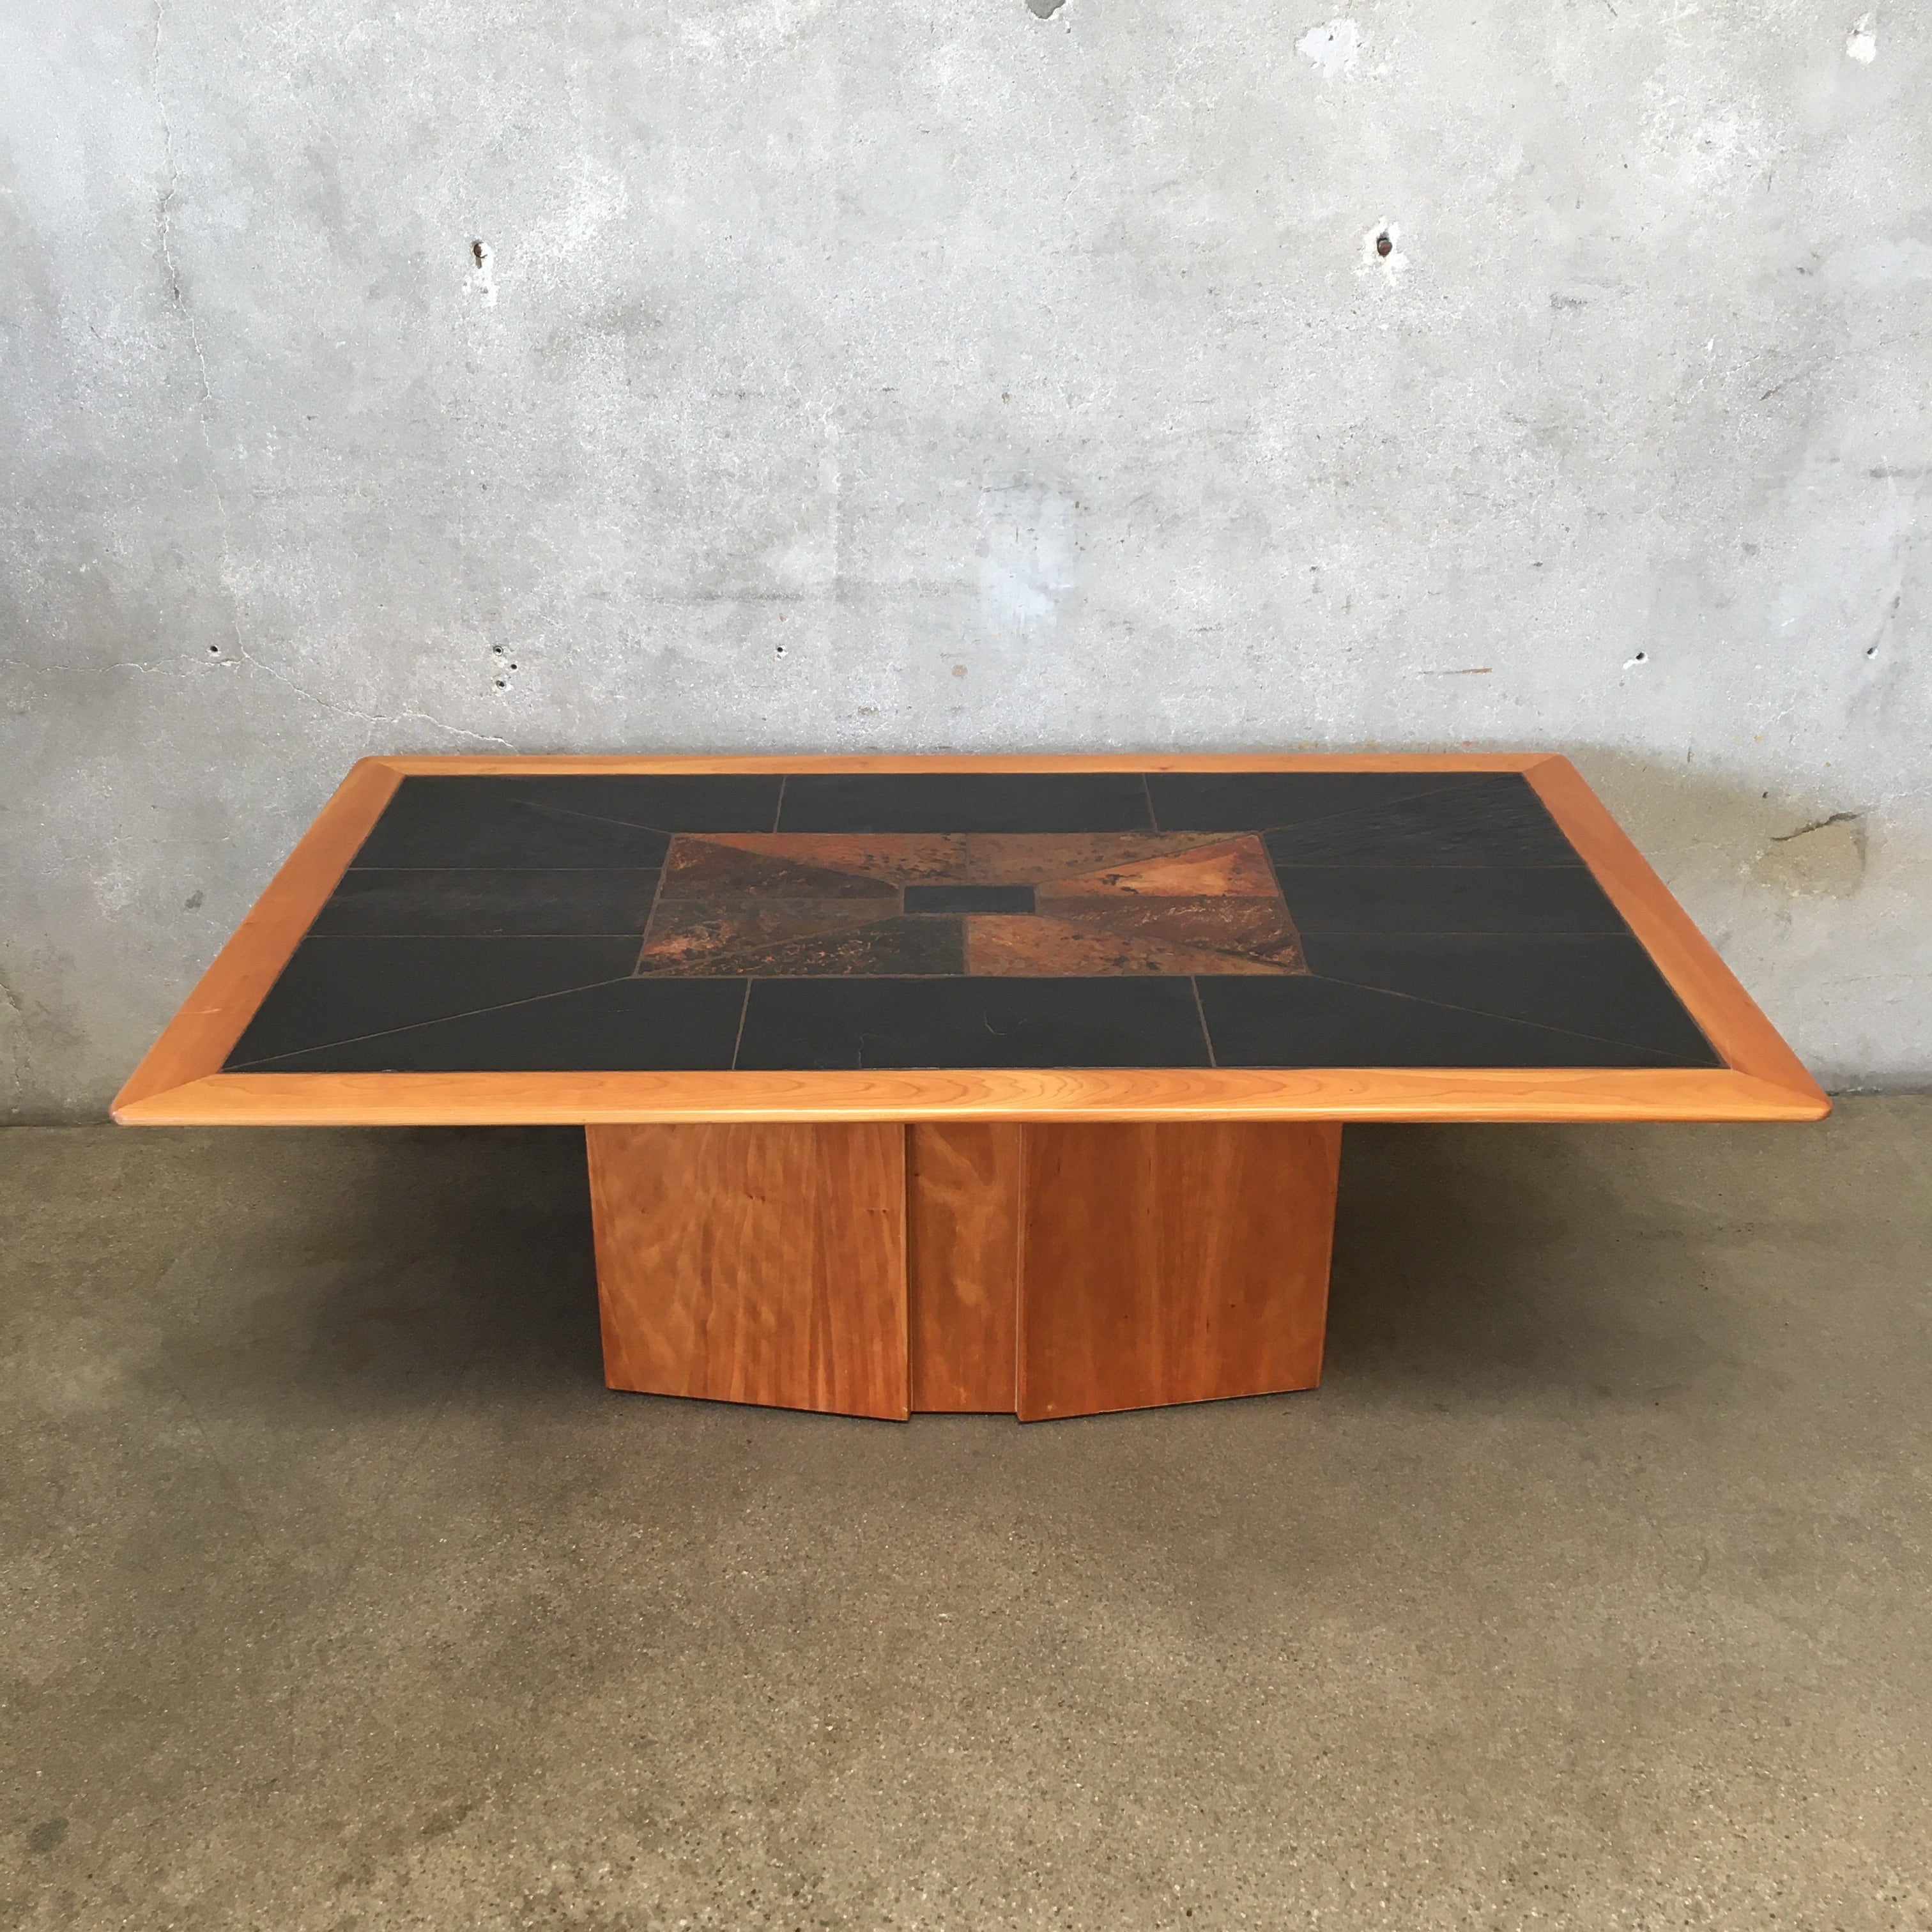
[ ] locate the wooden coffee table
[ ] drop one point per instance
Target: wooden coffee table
(969, 1084)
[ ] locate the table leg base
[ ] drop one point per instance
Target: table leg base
(873, 1269)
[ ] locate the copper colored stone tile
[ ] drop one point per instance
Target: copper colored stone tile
(896, 858)
(897, 947)
(714, 940)
(1256, 929)
(1002, 946)
(712, 869)
(1031, 858)
(1234, 868)
(808, 904)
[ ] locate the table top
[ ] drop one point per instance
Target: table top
(631, 939)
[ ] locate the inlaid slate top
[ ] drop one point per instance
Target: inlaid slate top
(755, 921)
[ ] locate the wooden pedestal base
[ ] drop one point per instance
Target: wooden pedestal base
(874, 1269)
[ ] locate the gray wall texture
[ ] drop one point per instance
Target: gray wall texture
(993, 374)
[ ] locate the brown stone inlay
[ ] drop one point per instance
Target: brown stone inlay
(894, 858)
(1000, 946)
(704, 936)
(804, 905)
(1237, 868)
(707, 868)
(1032, 858)
(895, 948)
(1259, 928)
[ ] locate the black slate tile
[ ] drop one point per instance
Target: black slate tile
(624, 1026)
(480, 822)
(591, 821)
(1602, 984)
(478, 904)
(337, 989)
(1393, 898)
(966, 802)
(1499, 821)
(792, 1025)
(969, 898)
(720, 802)
(1292, 1021)
(1258, 801)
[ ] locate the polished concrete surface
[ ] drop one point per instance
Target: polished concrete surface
(1590, 1591)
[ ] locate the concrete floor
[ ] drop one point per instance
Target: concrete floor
(1590, 1591)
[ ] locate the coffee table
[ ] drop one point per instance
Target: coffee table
(995, 1084)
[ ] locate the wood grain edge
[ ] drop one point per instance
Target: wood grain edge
(194, 1043)
(697, 764)
(1732, 1021)
(1327, 1094)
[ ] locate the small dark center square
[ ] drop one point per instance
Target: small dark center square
(969, 898)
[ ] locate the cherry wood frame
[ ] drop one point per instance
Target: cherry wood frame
(180, 1082)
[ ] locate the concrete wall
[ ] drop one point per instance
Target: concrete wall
(420, 374)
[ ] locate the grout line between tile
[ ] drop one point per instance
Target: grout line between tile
(1503, 1019)
(738, 1038)
(651, 911)
(583, 818)
(1453, 782)
(414, 1026)
(1194, 980)
(594, 817)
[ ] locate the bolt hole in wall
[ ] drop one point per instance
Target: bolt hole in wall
(482, 276)
(1381, 248)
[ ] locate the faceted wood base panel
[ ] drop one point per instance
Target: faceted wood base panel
(759, 1264)
(874, 1269)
